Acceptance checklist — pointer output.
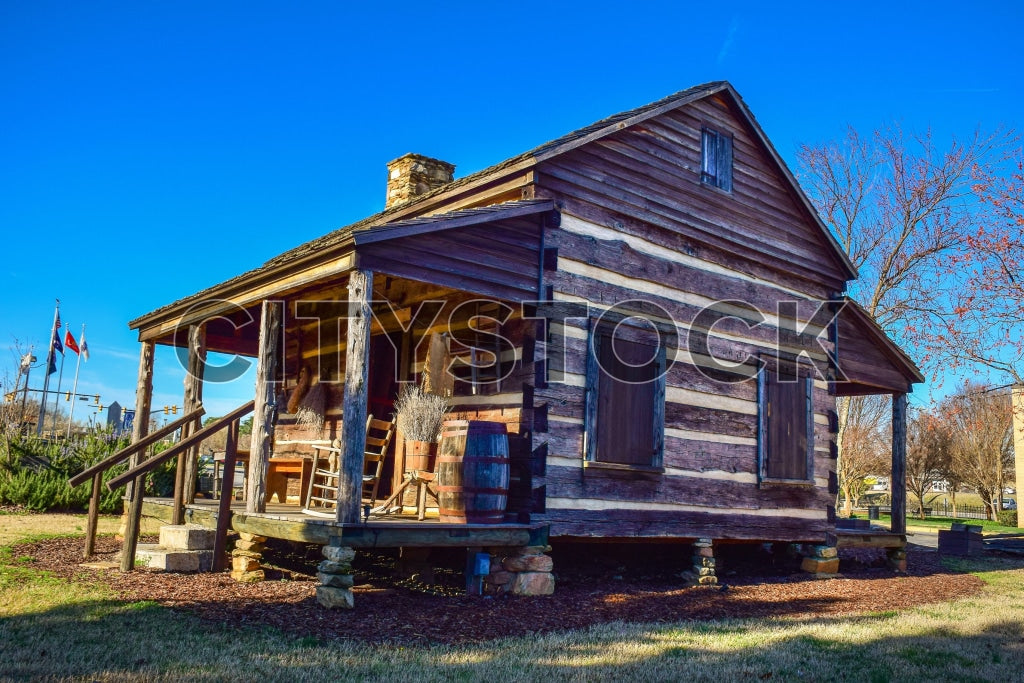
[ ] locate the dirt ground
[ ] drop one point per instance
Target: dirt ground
(595, 584)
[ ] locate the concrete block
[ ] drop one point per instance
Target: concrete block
(166, 559)
(205, 560)
(187, 537)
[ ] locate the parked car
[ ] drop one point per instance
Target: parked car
(1009, 504)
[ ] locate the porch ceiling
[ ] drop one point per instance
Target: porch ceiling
(489, 251)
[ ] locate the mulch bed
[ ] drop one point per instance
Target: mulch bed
(635, 585)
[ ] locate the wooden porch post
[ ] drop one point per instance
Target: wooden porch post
(140, 428)
(265, 409)
(898, 480)
(193, 399)
(357, 357)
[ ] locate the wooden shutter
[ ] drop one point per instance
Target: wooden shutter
(716, 159)
(787, 428)
(723, 162)
(708, 150)
(627, 391)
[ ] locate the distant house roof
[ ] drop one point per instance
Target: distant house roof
(347, 237)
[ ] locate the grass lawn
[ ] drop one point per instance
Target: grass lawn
(52, 629)
(932, 523)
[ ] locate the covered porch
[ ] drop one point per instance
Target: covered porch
(353, 316)
(870, 363)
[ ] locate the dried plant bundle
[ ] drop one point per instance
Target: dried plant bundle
(299, 392)
(310, 414)
(420, 414)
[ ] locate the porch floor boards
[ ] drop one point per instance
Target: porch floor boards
(391, 531)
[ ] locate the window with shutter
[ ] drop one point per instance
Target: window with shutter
(626, 396)
(716, 159)
(786, 434)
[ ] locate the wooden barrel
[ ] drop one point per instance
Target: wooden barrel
(473, 472)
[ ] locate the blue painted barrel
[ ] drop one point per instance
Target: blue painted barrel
(473, 472)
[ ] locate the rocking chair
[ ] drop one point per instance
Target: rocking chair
(322, 498)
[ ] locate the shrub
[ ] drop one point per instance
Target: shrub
(34, 473)
(160, 481)
(1007, 517)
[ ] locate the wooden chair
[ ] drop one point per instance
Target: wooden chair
(321, 500)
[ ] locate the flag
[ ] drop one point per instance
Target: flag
(55, 344)
(85, 347)
(69, 342)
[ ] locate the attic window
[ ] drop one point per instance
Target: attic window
(716, 159)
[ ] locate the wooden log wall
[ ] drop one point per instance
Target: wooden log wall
(637, 223)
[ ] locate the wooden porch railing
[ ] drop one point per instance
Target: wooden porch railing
(231, 420)
(96, 471)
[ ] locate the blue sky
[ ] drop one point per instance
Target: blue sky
(149, 150)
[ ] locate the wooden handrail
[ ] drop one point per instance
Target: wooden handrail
(131, 449)
(184, 444)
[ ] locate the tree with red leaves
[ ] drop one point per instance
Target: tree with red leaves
(906, 211)
(987, 325)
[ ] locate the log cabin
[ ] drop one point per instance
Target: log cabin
(650, 304)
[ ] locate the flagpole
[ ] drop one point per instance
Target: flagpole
(74, 388)
(46, 379)
(56, 399)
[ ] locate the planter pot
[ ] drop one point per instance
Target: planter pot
(419, 455)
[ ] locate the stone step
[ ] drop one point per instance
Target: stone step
(173, 559)
(187, 537)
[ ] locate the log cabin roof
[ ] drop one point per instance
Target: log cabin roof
(364, 233)
(345, 239)
(869, 360)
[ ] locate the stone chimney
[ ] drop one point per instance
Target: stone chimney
(412, 175)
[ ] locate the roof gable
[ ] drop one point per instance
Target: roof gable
(651, 156)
